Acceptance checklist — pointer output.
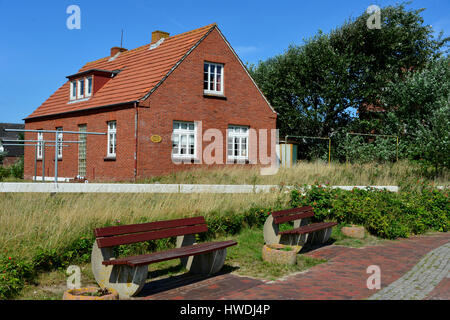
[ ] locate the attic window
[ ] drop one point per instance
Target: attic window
(81, 88)
(213, 78)
(88, 87)
(73, 90)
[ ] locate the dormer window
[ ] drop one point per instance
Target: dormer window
(81, 88)
(73, 90)
(84, 84)
(88, 87)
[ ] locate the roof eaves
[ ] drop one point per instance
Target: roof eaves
(80, 110)
(95, 71)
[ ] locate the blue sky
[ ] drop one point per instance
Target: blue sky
(37, 50)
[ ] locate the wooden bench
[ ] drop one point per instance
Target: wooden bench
(302, 231)
(128, 275)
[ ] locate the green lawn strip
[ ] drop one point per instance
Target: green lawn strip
(246, 258)
(338, 238)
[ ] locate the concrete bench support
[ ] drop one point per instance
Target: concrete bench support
(271, 233)
(207, 263)
(126, 280)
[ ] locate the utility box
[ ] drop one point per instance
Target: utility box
(287, 155)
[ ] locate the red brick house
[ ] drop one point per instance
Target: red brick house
(155, 103)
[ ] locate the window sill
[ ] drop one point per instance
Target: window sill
(78, 100)
(109, 159)
(237, 161)
(185, 160)
(214, 95)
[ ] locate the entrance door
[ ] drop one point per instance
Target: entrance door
(82, 151)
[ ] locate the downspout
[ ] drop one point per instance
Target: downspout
(135, 139)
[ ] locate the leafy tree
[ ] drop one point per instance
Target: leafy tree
(420, 112)
(433, 139)
(316, 87)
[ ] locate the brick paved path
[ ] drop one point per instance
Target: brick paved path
(417, 283)
(343, 276)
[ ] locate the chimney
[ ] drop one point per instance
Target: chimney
(157, 35)
(115, 50)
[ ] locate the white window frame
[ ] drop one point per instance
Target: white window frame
(236, 132)
(79, 87)
(178, 132)
(112, 131)
(214, 82)
(87, 92)
(73, 95)
(60, 142)
(40, 145)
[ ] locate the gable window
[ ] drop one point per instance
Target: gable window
(237, 146)
(111, 153)
(183, 139)
(81, 88)
(213, 78)
(73, 90)
(88, 87)
(60, 140)
(40, 138)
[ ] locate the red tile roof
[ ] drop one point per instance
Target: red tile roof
(141, 71)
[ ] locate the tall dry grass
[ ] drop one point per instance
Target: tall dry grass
(30, 221)
(400, 173)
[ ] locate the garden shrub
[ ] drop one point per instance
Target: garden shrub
(384, 214)
(14, 272)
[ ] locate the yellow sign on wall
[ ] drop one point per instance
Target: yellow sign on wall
(156, 138)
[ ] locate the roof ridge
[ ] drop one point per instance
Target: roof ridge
(147, 44)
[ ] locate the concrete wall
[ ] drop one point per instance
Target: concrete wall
(153, 188)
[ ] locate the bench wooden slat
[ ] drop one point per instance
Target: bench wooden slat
(152, 235)
(171, 254)
(142, 227)
(310, 228)
(281, 213)
(293, 217)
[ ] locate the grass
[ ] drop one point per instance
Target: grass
(246, 257)
(44, 221)
(400, 173)
(339, 238)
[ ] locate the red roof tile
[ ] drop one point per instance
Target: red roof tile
(142, 70)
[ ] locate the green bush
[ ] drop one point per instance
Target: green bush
(15, 170)
(384, 214)
(13, 274)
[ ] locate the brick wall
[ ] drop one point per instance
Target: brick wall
(181, 97)
(96, 165)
